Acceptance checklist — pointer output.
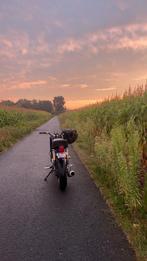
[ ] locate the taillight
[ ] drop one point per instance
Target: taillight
(61, 149)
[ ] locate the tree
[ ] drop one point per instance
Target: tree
(36, 105)
(7, 103)
(24, 103)
(45, 106)
(59, 102)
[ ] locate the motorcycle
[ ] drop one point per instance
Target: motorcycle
(59, 155)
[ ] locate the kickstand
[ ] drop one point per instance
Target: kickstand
(52, 169)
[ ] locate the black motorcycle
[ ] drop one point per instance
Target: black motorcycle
(59, 155)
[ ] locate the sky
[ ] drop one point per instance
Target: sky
(84, 50)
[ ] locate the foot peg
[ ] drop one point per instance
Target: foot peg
(49, 167)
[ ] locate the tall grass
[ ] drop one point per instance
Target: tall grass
(113, 136)
(15, 123)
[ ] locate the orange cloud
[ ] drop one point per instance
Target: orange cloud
(65, 85)
(83, 86)
(28, 85)
(106, 89)
(74, 104)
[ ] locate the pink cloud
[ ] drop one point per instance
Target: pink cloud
(69, 46)
(127, 43)
(14, 44)
(58, 24)
(122, 4)
(5, 42)
(41, 45)
(131, 36)
(6, 49)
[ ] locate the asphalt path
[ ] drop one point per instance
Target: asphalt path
(39, 222)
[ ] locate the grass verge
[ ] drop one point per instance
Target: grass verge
(134, 228)
(112, 144)
(16, 123)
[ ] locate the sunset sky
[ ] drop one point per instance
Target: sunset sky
(84, 50)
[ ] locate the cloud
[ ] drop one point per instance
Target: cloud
(128, 37)
(83, 86)
(14, 44)
(133, 36)
(106, 89)
(5, 42)
(69, 46)
(52, 78)
(65, 85)
(74, 85)
(73, 104)
(28, 84)
(42, 45)
(58, 24)
(122, 4)
(6, 49)
(140, 78)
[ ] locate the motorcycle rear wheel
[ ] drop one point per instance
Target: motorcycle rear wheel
(63, 182)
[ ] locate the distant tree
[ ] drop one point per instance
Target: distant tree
(57, 106)
(24, 103)
(7, 103)
(45, 106)
(36, 105)
(59, 103)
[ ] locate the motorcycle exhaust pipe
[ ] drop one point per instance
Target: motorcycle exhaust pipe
(71, 173)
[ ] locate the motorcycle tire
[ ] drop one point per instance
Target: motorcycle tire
(63, 182)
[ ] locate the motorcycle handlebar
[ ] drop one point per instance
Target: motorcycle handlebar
(42, 132)
(45, 132)
(48, 133)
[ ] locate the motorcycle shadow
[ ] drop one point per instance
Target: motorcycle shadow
(52, 185)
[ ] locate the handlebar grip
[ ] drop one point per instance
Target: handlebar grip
(42, 132)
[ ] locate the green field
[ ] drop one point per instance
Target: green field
(16, 123)
(113, 144)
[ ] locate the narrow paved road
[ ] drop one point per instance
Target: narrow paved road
(39, 222)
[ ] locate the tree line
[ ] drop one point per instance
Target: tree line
(55, 107)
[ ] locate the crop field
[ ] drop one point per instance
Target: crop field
(15, 123)
(113, 144)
